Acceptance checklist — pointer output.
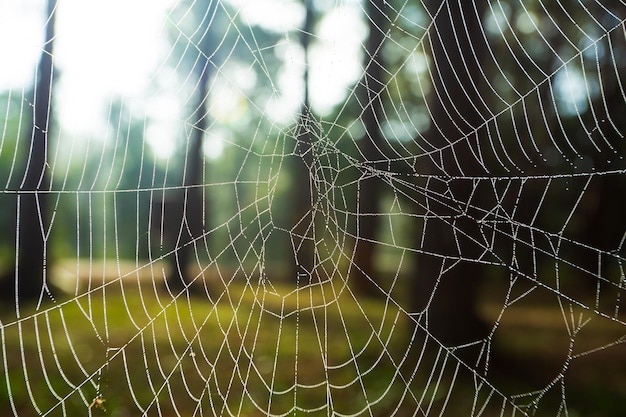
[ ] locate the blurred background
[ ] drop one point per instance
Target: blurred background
(459, 164)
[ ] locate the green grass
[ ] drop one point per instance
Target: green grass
(251, 349)
(240, 348)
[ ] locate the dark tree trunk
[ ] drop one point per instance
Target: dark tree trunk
(363, 275)
(303, 231)
(191, 212)
(29, 279)
(599, 224)
(192, 207)
(449, 270)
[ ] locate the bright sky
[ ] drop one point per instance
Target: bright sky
(107, 49)
(19, 43)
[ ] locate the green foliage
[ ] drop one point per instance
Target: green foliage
(245, 345)
(202, 350)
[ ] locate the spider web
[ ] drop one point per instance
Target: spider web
(305, 208)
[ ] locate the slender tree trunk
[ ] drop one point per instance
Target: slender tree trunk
(363, 273)
(449, 270)
(192, 205)
(29, 280)
(303, 231)
(602, 230)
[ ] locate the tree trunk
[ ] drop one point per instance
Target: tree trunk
(363, 273)
(303, 231)
(449, 269)
(192, 207)
(29, 279)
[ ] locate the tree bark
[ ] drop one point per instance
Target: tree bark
(303, 231)
(192, 206)
(29, 279)
(363, 272)
(449, 270)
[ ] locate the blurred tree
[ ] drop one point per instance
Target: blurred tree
(303, 231)
(27, 281)
(370, 190)
(449, 267)
(198, 50)
(133, 168)
(11, 107)
(592, 259)
(508, 67)
(259, 52)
